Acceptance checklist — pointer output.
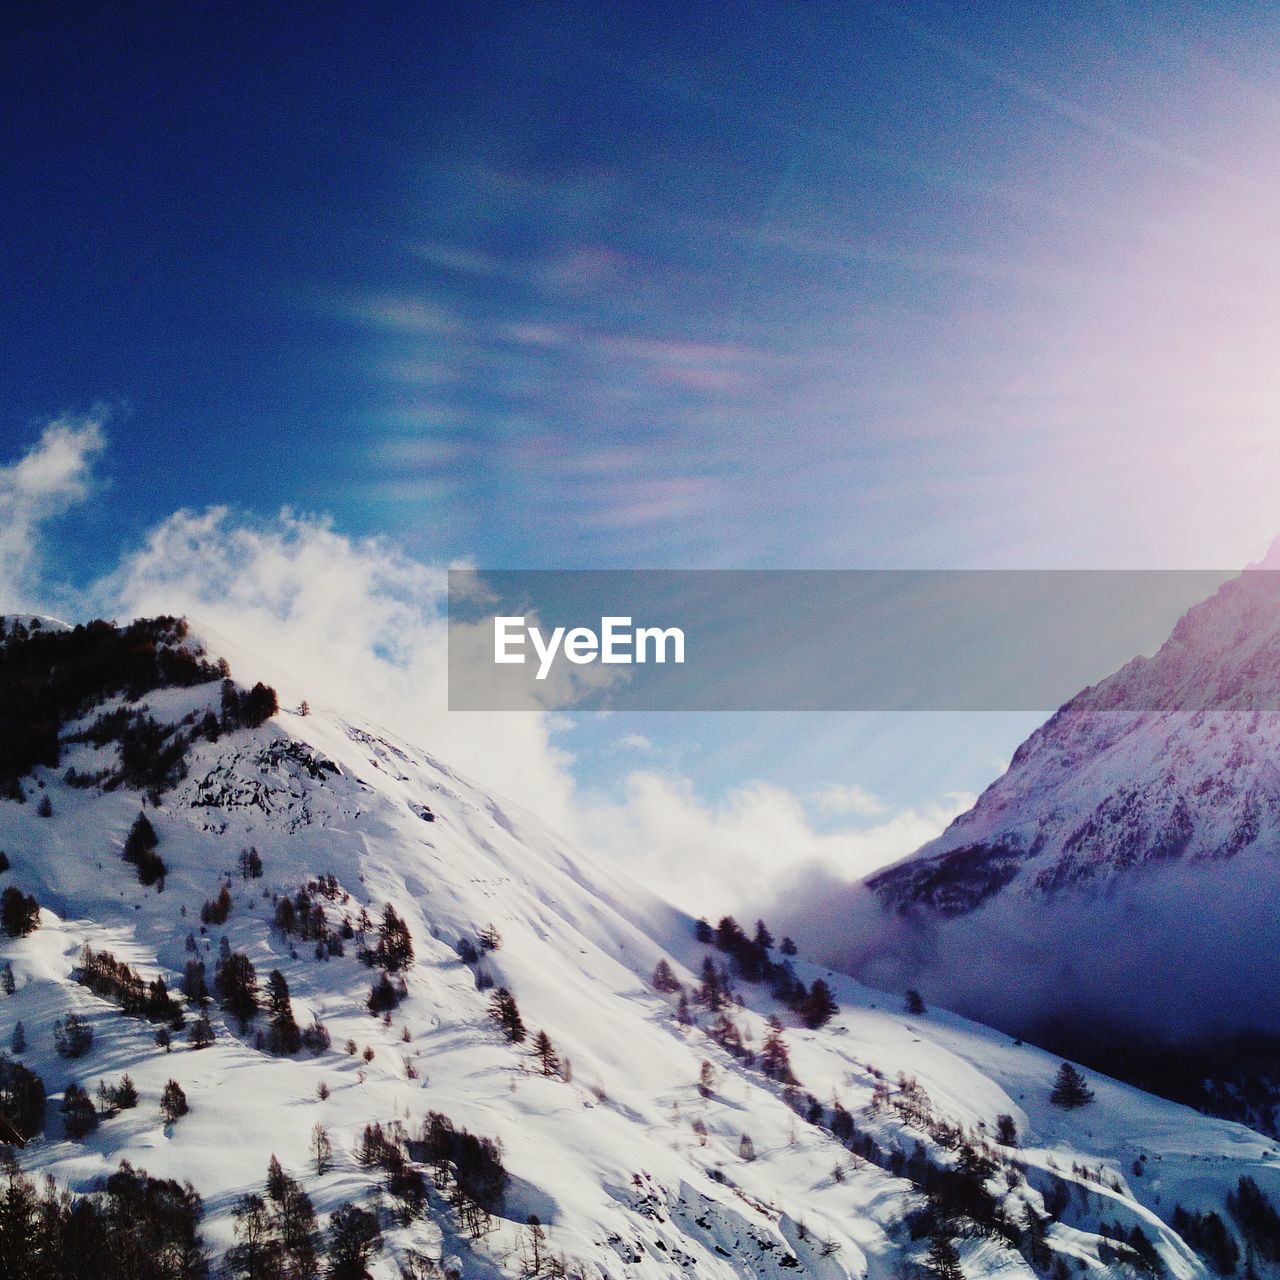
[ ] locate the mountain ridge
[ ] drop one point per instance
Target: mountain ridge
(637, 1160)
(1175, 757)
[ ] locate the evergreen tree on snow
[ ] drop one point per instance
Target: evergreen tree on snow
(1069, 1089)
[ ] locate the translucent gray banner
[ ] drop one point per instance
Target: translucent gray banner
(859, 640)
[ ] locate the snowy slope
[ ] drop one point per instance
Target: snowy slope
(632, 1170)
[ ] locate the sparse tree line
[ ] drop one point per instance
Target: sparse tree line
(960, 1200)
(503, 1010)
(392, 954)
(753, 962)
(715, 993)
(486, 940)
(464, 1167)
(1256, 1221)
(153, 756)
(303, 916)
(19, 912)
(235, 985)
(133, 1227)
(114, 980)
(50, 677)
(964, 1190)
(277, 1237)
(23, 1103)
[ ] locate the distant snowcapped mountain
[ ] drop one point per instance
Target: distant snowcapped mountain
(369, 939)
(1174, 759)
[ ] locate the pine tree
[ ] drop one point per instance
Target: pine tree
(201, 1035)
(236, 983)
(72, 1036)
(125, 1094)
(506, 1013)
(18, 1041)
(664, 979)
(775, 1061)
(943, 1262)
(1069, 1089)
(78, 1114)
(746, 1148)
(22, 1101)
(275, 1178)
(545, 1052)
(1037, 1244)
(118, 1097)
(284, 1037)
(321, 1149)
(173, 1102)
(354, 1237)
(915, 1003)
(8, 984)
(394, 951)
(787, 947)
(193, 984)
(729, 935)
(763, 938)
(383, 996)
(19, 913)
(706, 1079)
(296, 1218)
(819, 1006)
(141, 839)
(1148, 1256)
(256, 1255)
(683, 1014)
(710, 992)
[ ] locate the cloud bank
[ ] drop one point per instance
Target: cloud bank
(1168, 954)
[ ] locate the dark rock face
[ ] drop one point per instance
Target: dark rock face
(953, 883)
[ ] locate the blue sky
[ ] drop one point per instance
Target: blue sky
(658, 285)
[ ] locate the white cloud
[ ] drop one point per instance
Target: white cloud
(50, 478)
(847, 801)
(711, 858)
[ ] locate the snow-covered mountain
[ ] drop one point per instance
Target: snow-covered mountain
(646, 1139)
(1174, 759)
